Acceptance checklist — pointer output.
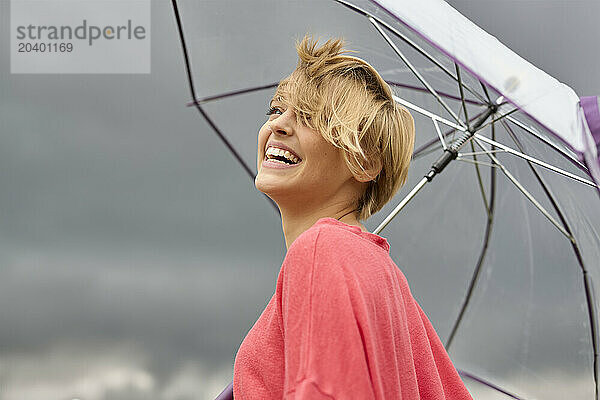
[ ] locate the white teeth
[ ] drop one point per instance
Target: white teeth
(274, 151)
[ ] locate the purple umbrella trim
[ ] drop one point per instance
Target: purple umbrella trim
(227, 393)
(591, 110)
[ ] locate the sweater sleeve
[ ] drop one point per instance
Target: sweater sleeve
(324, 347)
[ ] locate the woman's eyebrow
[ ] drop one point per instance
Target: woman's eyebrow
(275, 98)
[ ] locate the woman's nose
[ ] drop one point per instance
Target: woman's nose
(282, 124)
(279, 130)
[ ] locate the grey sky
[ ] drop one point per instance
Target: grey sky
(136, 253)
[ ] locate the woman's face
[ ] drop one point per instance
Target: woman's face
(316, 173)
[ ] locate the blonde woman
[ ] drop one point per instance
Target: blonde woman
(342, 323)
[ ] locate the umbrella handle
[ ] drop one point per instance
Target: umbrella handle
(227, 393)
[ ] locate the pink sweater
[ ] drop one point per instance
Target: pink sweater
(343, 324)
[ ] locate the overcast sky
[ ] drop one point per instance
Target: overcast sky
(136, 253)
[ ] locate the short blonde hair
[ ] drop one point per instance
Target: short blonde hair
(351, 106)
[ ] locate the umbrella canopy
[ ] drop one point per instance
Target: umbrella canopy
(502, 249)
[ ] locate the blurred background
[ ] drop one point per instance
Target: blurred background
(135, 253)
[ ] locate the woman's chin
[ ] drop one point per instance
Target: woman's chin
(273, 186)
(267, 185)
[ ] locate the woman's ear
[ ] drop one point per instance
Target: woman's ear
(372, 170)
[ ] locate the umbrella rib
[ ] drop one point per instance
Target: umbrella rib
(188, 70)
(415, 71)
(401, 205)
(548, 142)
(476, 162)
(199, 108)
(490, 211)
(578, 256)
(473, 154)
(410, 42)
(485, 91)
(478, 153)
(505, 115)
(442, 94)
(479, 180)
(428, 151)
(428, 113)
(418, 152)
(439, 132)
(439, 165)
(488, 384)
(535, 161)
(521, 188)
(232, 93)
(462, 94)
(252, 89)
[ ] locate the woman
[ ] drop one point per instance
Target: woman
(342, 323)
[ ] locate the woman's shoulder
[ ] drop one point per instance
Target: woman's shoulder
(331, 241)
(323, 233)
(304, 247)
(326, 256)
(312, 262)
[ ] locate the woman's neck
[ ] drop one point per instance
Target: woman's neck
(294, 224)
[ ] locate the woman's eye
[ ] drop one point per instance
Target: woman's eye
(305, 117)
(273, 110)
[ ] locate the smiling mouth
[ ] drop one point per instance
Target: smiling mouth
(282, 156)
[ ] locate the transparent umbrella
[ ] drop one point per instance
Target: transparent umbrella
(502, 249)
